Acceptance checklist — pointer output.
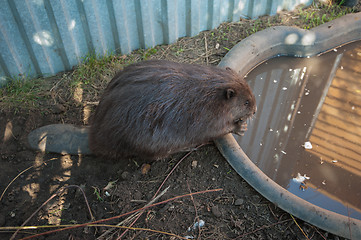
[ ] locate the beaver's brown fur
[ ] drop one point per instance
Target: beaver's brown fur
(154, 108)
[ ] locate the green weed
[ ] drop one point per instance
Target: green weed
(146, 53)
(97, 194)
(178, 51)
(24, 93)
(256, 26)
(322, 13)
(94, 66)
(94, 73)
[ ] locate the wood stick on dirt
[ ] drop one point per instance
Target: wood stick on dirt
(125, 214)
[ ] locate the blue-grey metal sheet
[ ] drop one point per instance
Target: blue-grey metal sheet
(44, 37)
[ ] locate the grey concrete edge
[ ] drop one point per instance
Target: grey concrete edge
(289, 41)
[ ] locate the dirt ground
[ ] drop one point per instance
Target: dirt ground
(230, 210)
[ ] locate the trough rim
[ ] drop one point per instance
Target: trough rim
(296, 42)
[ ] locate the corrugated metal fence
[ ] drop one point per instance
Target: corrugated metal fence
(44, 37)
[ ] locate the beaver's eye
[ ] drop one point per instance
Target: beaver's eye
(246, 103)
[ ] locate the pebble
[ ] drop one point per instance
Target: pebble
(239, 202)
(125, 175)
(194, 164)
(145, 168)
(137, 195)
(256, 198)
(216, 212)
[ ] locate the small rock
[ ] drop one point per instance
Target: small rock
(137, 195)
(307, 145)
(256, 198)
(198, 224)
(145, 168)
(239, 202)
(125, 175)
(216, 212)
(194, 164)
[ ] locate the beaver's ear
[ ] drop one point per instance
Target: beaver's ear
(229, 93)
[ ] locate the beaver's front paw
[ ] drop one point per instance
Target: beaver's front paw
(241, 128)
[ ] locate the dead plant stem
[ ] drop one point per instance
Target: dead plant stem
(124, 214)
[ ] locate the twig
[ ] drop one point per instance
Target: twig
(196, 212)
(92, 103)
(160, 187)
(274, 215)
(96, 225)
(140, 213)
(124, 214)
(164, 51)
(175, 166)
(316, 230)
(3, 193)
(206, 47)
(42, 205)
(132, 216)
(299, 227)
(139, 229)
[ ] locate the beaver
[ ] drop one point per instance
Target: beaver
(155, 108)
